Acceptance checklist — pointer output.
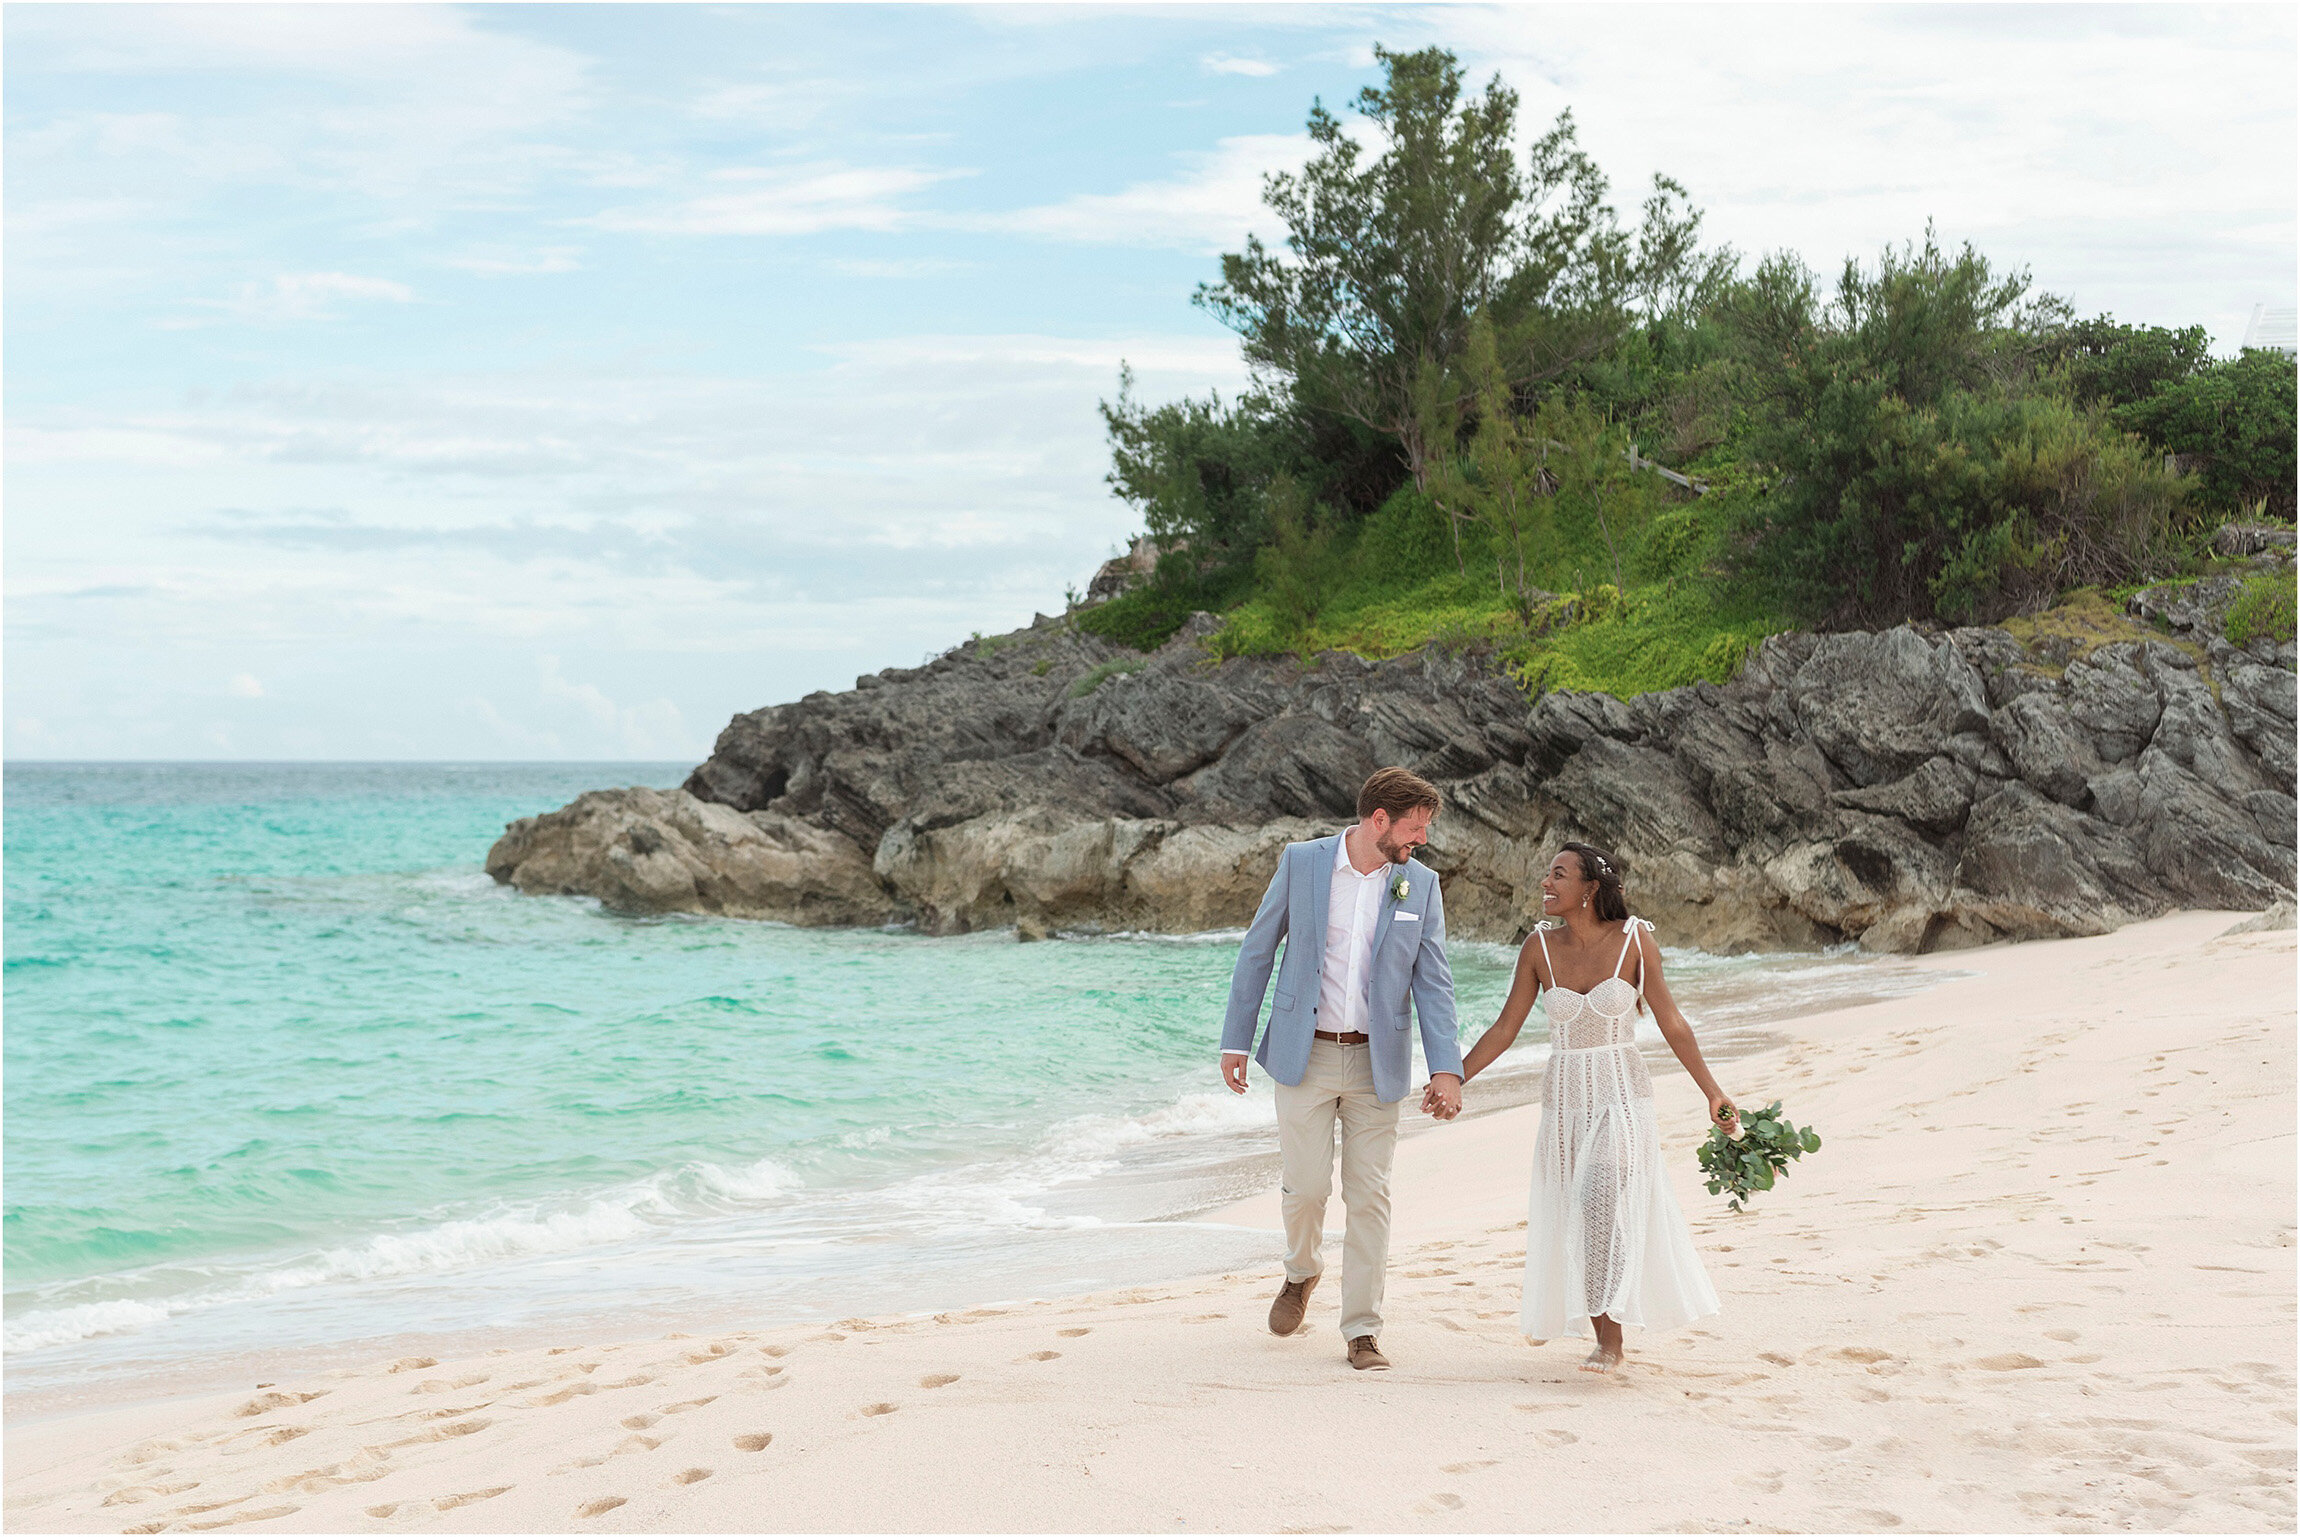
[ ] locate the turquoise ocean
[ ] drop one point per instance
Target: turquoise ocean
(287, 1074)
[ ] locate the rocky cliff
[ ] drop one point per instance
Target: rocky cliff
(1908, 789)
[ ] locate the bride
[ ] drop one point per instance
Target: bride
(1605, 1240)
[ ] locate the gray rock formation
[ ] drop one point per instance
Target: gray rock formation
(1910, 790)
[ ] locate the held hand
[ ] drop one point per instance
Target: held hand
(1234, 1073)
(1442, 1098)
(1723, 1113)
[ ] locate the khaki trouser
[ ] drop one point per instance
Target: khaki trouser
(1338, 1086)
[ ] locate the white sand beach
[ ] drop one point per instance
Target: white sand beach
(2040, 1278)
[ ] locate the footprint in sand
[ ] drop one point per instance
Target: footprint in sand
(1774, 1357)
(195, 1510)
(442, 1385)
(1437, 1502)
(1071, 1334)
(757, 1441)
(412, 1363)
(690, 1475)
(938, 1380)
(267, 1402)
(1040, 1355)
(1763, 1480)
(572, 1390)
(266, 1513)
(631, 1444)
(1560, 1437)
(629, 1382)
(639, 1421)
(601, 1505)
(1466, 1467)
(2012, 1361)
(137, 1494)
(447, 1432)
(451, 1501)
(2065, 1336)
(774, 1350)
(448, 1413)
(692, 1403)
(1829, 1443)
(872, 1411)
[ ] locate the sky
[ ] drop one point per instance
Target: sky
(542, 382)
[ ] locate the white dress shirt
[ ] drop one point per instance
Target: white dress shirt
(1345, 977)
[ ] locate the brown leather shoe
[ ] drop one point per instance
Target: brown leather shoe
(1366, 1356)
(1292, 1301)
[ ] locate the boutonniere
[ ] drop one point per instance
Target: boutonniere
(1400, 889)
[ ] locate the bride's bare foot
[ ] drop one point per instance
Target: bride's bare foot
(1607, 1355)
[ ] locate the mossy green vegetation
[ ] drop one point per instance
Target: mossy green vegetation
(1398, 583)
(2265, 609)
(1095, 677)
(2084, 620)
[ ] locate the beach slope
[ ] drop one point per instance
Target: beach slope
(2040, 1278)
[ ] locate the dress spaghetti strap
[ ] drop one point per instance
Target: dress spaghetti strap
(1541, 932)
(1628, 938)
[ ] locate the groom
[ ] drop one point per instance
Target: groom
(1364, 925)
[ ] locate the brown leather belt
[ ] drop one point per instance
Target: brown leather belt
(1351, 1038)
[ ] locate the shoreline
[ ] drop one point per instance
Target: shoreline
(1976, 1309)
(1144, 1202)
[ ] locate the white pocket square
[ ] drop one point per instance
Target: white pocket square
(1408, 918)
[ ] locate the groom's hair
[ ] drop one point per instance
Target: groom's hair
(1396, 791)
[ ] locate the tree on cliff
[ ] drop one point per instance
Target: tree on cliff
(1367, 313)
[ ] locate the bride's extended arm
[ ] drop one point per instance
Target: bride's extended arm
(1523, 988)
(1678, 1033)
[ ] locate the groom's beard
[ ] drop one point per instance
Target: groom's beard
(1395, 853)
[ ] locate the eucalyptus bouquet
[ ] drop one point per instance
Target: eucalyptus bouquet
(1753, 1161)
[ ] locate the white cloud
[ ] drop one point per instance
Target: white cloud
(793, 200)
(502, 261)
(1225, 64)
(245, 685)
(307, 296)
(1211, 207)
(650, 730)
(424, 106)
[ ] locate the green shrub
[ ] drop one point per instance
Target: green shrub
(2265, 608)
(1676, 543)
(1403, 543)
(1924, 472)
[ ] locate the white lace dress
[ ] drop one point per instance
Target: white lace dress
(1605, 1234)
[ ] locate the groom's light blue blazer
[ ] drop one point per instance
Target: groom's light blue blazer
(1409, 962)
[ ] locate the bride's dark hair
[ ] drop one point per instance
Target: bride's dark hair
(1597, 865)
